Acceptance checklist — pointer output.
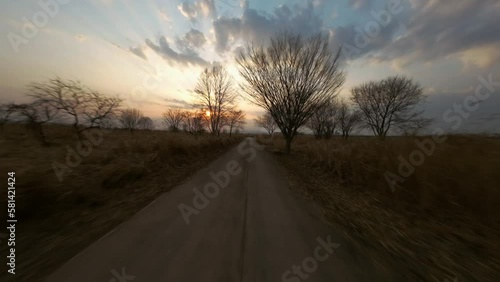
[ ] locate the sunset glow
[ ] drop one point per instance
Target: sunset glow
(159, 48)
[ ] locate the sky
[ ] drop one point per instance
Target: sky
(151, 52)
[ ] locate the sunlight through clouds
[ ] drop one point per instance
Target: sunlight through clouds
(109, 43)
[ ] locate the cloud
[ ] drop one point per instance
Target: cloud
(207, 8)
(188, 10)
(191, 42)
(138, 51)
(177, 103)
(191, 11)
(164, 16)
(435, 31)
(257, 27)
(482, 57)
(225, 29)
(360, 4)
(244, 4)
(163, 49)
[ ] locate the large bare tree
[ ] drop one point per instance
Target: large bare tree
(389, 103)
(85, 107)
(291, 78)
(267, 122)
(215, 95)
(69, 97)
(173, 119)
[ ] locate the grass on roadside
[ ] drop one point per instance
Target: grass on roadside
(119, 176)
(441, 223)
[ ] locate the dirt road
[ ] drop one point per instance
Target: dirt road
(235, 220)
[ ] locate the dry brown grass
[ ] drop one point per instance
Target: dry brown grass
(121, 175)
(441, 223)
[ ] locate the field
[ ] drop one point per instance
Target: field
(113, 175)
(440, 223)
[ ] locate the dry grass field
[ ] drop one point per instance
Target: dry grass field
(440, 223)
(109, 182)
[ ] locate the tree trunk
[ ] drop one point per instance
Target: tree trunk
(37, 130)
(288, 148)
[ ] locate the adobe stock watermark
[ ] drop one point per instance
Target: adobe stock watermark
(95, 136)
(455, 116)
(221, 179)
(364, 37)
(30, 27)
(121, 276)
(149, 83)
(310, 264)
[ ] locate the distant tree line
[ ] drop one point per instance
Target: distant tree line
(296, 80)
(58, 100)
(70, 102)
(197, 121)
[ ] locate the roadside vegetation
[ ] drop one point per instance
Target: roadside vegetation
(440, 223)
(84, 163)
(116, 179)
(423, 206)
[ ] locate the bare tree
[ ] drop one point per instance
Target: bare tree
(85, 107)
(6, 111)
(292, 79)
(194, 122)
(99, 110)
(414, 127)
(323, 122)
(70, 97)
(36, 114)
(348, 118)
(388, 103)
(130, 118)
(173, 119)
(267, 122)
(215, 94)
(146, 123)
(235, 120)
